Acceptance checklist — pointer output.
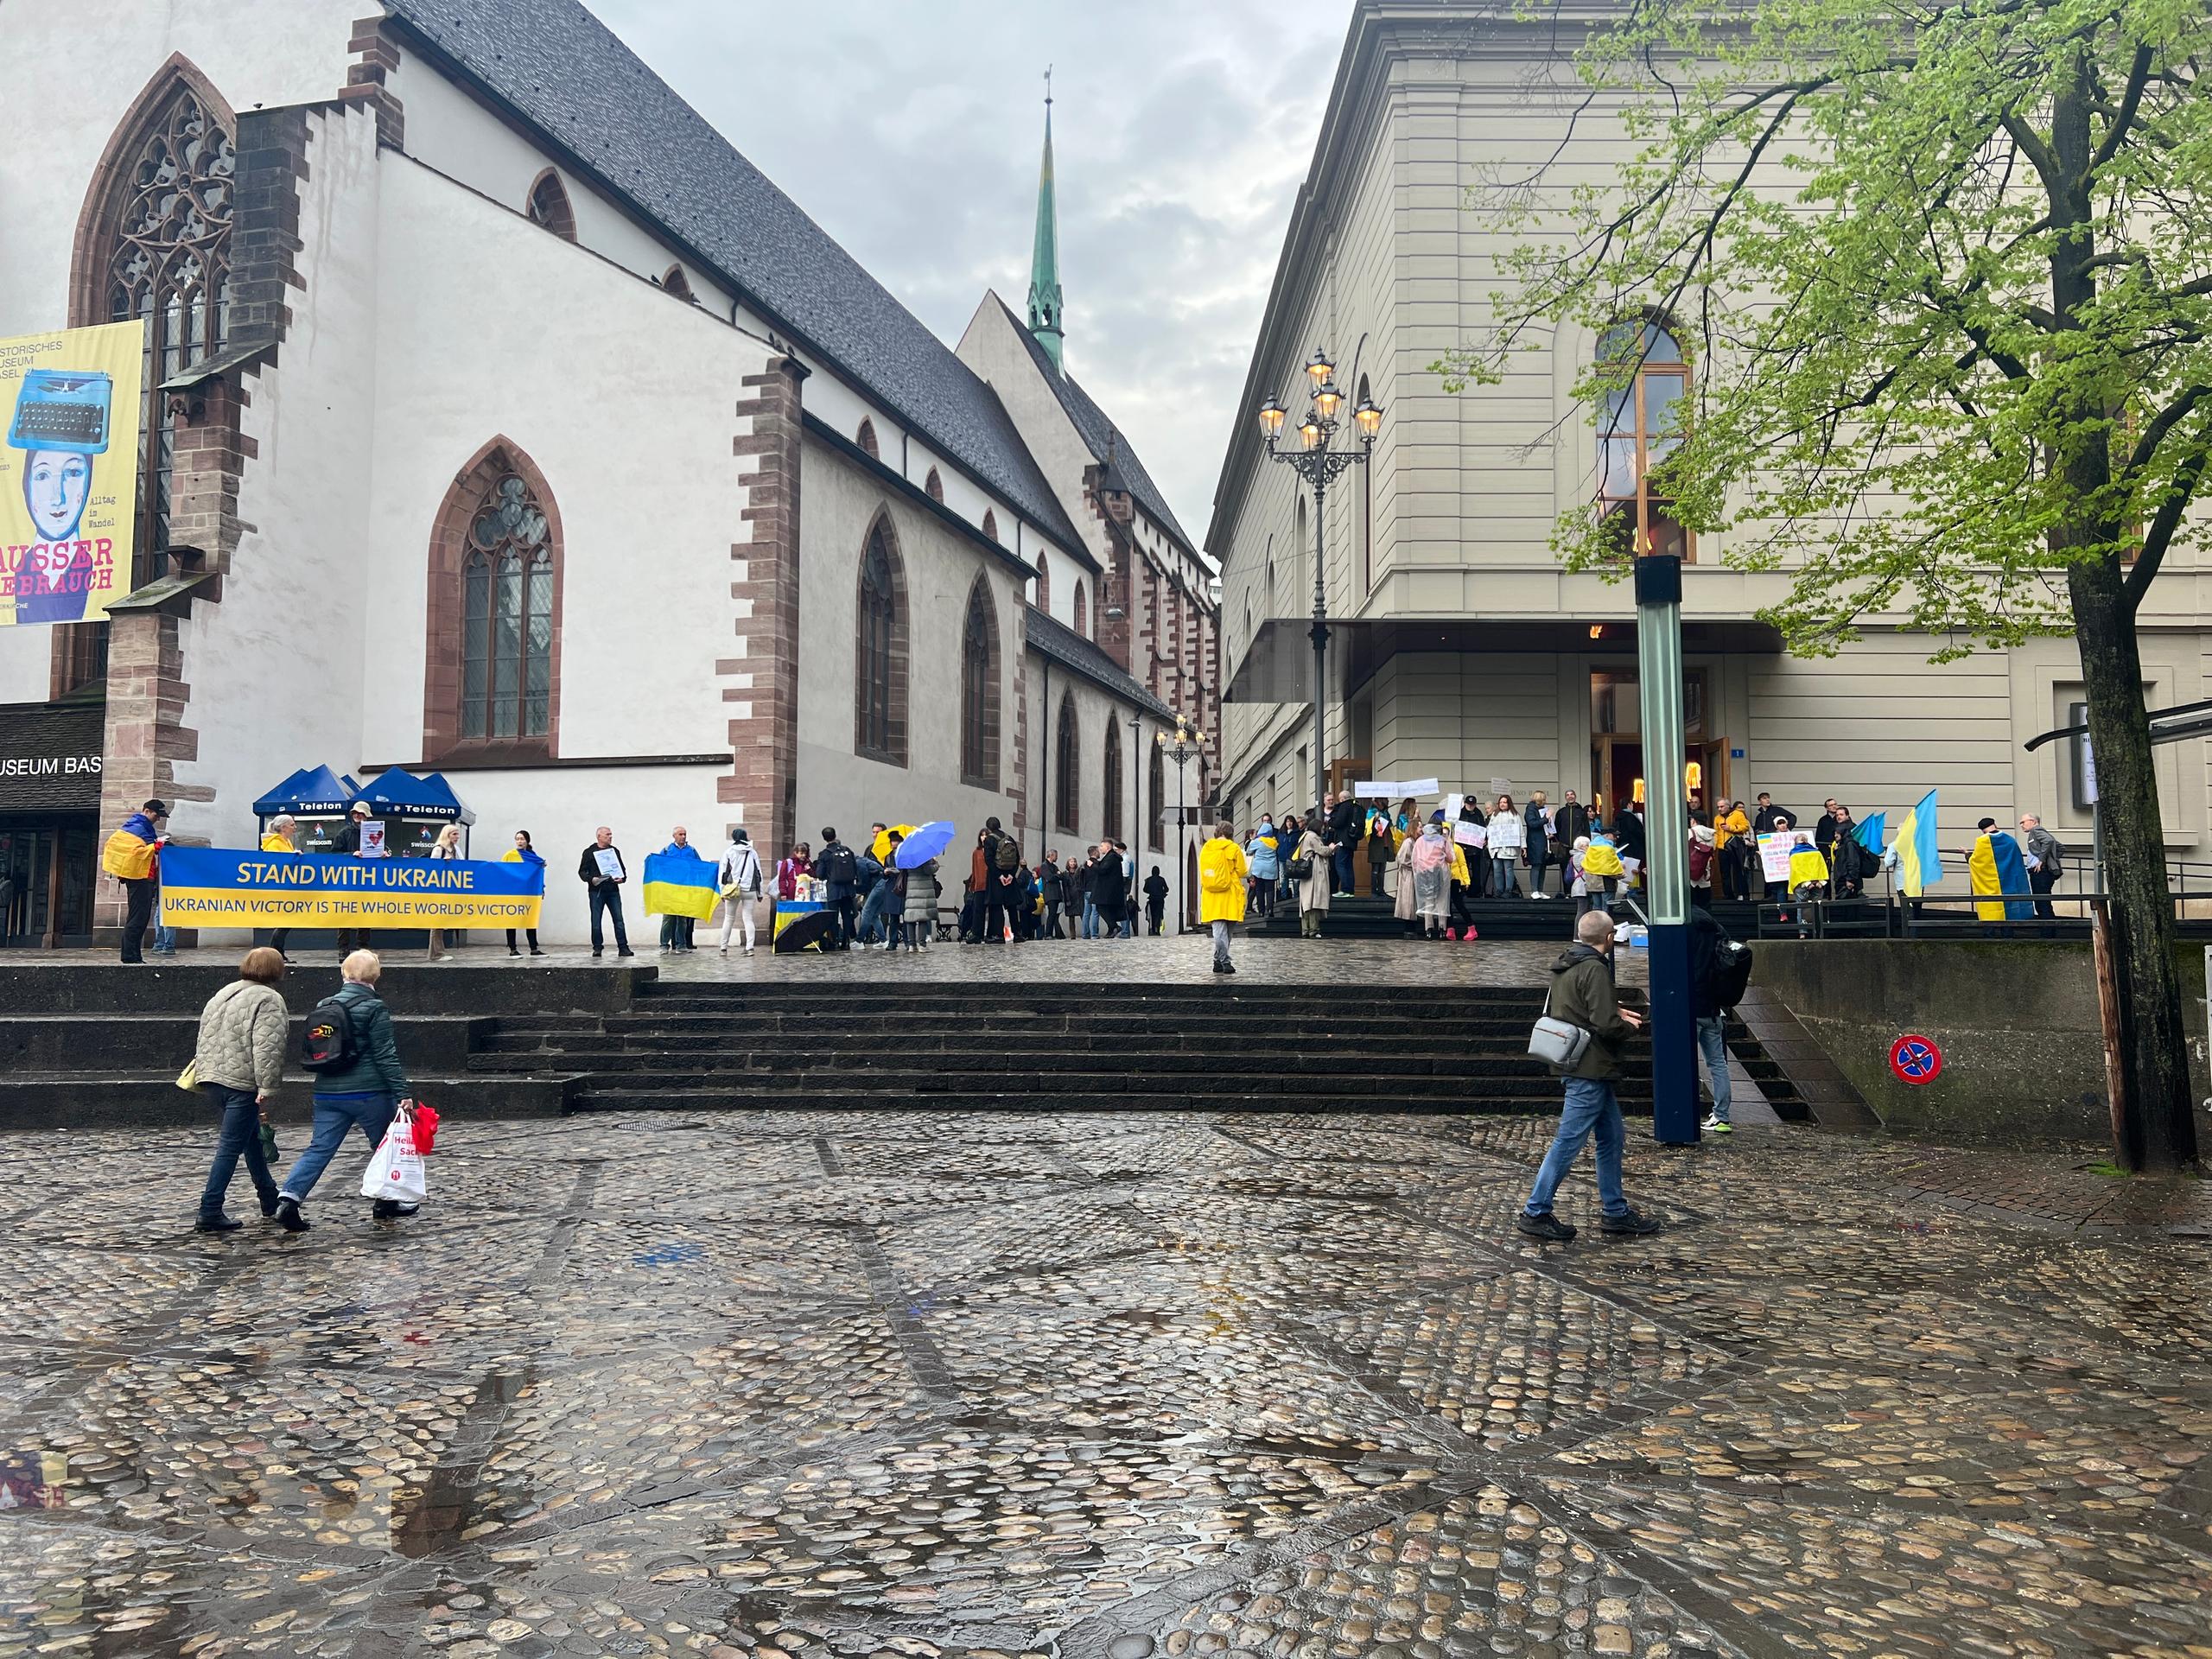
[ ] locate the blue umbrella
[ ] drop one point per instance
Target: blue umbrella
(925, 843)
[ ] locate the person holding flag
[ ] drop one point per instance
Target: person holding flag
(1914, 855)
(680, 889)
(1998, 876)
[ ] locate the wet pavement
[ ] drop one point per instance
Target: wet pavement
(1095, 1386)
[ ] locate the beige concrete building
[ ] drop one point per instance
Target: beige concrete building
(1462, 651)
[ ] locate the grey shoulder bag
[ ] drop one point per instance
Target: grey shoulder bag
(1554, 1041)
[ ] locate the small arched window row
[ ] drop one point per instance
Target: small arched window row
(1639, 416)
(678, 284)
(549, 205)
(934, 487)
(867, 437)
(990, 523)
(1044, 586)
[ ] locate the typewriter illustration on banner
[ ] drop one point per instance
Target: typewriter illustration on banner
(62, 410)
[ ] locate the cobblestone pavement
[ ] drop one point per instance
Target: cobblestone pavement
(1099, 1388)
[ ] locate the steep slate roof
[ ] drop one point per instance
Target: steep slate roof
(1072, 651)
(1097, 431)
(564, 71)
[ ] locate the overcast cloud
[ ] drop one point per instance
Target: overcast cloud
(910, 129)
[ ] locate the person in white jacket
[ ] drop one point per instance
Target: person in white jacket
(740, 882)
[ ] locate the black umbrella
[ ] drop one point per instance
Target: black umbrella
(806, 932)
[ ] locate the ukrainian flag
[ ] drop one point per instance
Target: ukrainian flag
(1919, 865)
(677, 886)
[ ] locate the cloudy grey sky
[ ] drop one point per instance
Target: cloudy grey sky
(909, 129)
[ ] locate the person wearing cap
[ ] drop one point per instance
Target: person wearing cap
(346, 843)
(1998, 877)
(131, 856)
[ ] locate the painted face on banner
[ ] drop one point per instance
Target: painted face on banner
(56, 487)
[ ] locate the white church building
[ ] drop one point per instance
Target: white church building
(504, 421)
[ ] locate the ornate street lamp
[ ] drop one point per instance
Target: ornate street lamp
(1183, 748)
(1317, 461)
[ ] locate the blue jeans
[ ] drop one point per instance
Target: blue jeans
(1090, 918)
(1502, 881)
(334, 1115)
(240, 1134)
(1713, 1043)
(870, 929)
(1590, 1109)
(607, 901)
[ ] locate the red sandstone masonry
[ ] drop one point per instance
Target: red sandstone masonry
(763, 783)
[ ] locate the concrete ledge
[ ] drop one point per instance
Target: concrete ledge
(2017, 1023)
(409, 988)
(119, 1101)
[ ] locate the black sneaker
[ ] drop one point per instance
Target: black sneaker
(288, 1215)
(626, 952)
(391, 1210)
(217, 1224)
(1546, 1226)
(1630, 1225)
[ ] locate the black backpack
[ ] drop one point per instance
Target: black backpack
(329, 1043)
(1731, 973)
(1006, 857)
(838, 864)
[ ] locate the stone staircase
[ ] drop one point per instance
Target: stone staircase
(1234, 1047)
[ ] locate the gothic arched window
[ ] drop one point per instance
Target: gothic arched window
(168, 266)
(990, 523)
(1113, 777)
(935, 486)
(979, 691)
(1639, 425)
(549, 205)
(1082, 621)
(492, 674)
(1067, 778)
(678, 284)
(880, 659)
(1155, 789)
(868, 439)
(1044, 586)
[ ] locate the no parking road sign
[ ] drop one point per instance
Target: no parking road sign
(1915, 1059)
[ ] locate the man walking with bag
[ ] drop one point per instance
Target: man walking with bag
(350, 1047)
(1582, 997)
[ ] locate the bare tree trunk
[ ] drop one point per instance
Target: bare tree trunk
(2158, 1130)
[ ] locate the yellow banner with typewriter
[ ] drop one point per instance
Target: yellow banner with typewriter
(72, 403)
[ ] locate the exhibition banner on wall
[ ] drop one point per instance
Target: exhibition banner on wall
(68, 471)
(214, 887)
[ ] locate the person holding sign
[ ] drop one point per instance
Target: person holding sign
(602, 872)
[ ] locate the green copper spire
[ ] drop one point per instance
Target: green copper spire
(1045, 260)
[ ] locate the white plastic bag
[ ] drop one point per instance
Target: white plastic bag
(396, 1172)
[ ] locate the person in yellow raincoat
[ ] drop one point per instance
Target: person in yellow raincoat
(282, 836)
(1222, 869)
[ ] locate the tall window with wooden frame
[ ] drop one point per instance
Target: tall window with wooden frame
(979, 691)
(492, 686)
(160, 237)
(880, 652)
(1639, 424)
(1112, 813)
(1067, 779)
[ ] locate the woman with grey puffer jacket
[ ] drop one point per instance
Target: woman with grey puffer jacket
(238, 1061)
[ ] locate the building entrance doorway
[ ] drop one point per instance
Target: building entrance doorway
(47, 869)
(1617, 760)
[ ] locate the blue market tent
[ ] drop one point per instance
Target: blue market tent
(310, 792)
(399, 793)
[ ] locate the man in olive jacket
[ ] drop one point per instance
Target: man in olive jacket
(1582, 994)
